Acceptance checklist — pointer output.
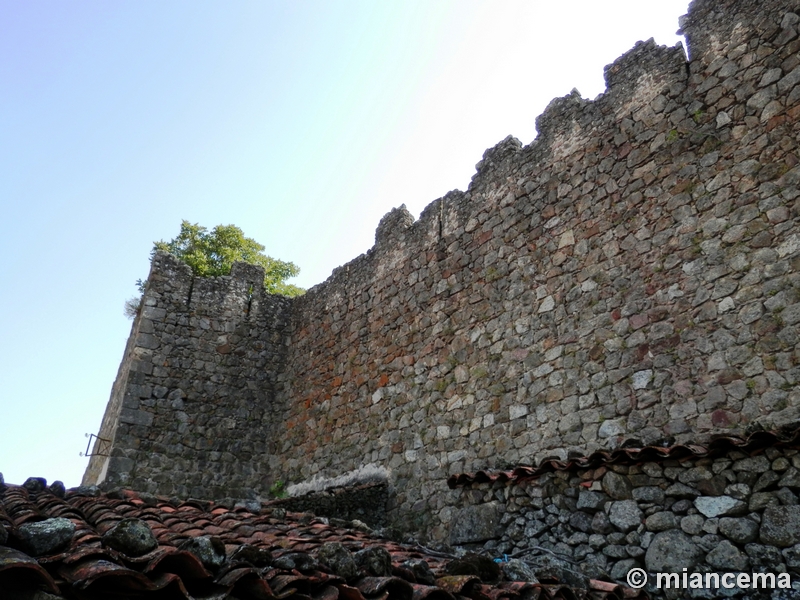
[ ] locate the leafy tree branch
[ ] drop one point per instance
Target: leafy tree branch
(212, 253)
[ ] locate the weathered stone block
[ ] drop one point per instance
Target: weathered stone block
(625, 515)
(780, 526)
(717, 506)
(672, 551)
(741, 531)
(476, 523)
(46, 537)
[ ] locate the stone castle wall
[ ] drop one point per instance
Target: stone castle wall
(632, 274)
(191, 409)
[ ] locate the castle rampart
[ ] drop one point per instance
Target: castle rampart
(190, 410)
(632, 274)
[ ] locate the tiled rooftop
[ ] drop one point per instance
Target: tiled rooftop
(87, 545)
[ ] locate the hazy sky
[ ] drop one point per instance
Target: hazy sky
(302, 122)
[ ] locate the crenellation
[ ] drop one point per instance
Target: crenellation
(641, 75)
(392, 227)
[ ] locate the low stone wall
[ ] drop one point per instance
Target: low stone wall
(366, 503)
(735, 513)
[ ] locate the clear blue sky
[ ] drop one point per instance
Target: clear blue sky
(302, 122)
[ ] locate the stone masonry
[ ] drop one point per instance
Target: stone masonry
(189, 411)
(632, 275)
(732, 513)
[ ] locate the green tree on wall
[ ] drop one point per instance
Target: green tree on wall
(212, 253)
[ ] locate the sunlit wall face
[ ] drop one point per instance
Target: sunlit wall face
(302, 122)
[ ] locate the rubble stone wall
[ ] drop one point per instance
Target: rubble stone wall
(732, 514)
(633, 273)
(191, 409)
(365, 503)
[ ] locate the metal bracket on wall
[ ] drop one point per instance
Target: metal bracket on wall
(103, 446)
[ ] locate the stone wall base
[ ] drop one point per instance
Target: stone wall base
(735, 513)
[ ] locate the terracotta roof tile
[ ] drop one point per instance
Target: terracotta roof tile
(88, 570)
(630, 454)
(16, 566)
